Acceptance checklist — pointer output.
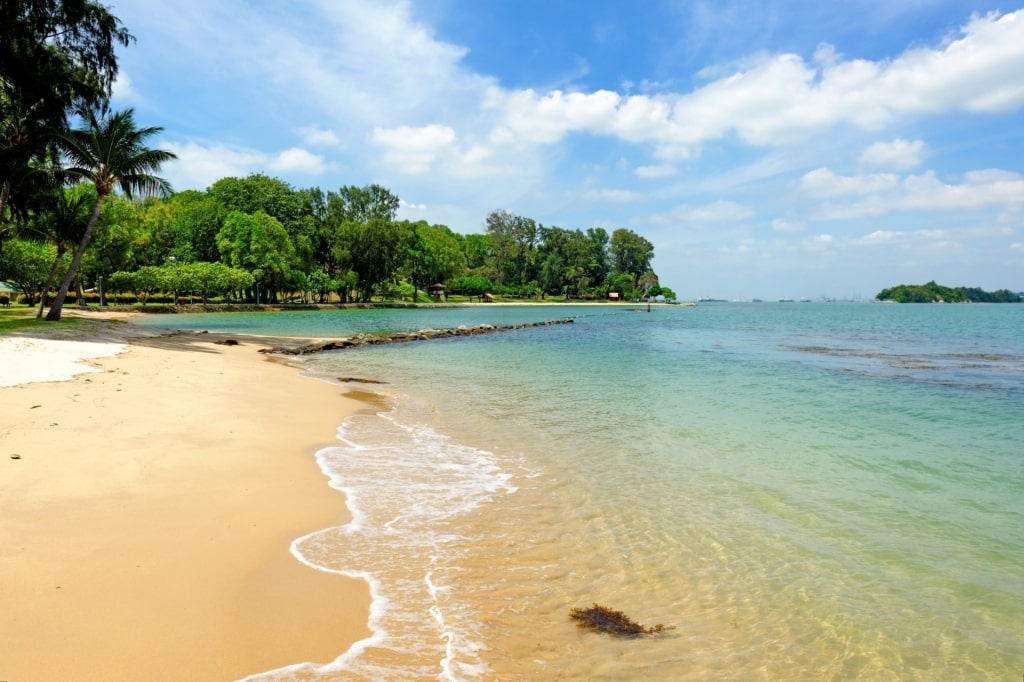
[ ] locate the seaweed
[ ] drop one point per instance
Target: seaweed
(604, 619)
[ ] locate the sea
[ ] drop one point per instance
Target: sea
(796, 491)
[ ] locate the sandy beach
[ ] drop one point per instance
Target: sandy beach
(147, 507)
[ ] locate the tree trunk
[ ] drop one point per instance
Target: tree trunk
(58, 302)
(49, 282)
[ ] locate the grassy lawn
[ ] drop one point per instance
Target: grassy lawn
(23, 317)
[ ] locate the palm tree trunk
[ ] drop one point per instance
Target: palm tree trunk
(49, 282)
(58, 303)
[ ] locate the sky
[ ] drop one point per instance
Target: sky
(767, 148)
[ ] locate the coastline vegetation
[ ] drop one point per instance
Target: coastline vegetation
(936, 293)
(251, 240)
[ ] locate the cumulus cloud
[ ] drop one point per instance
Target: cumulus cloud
(123, 90)
(314, 136)
(198, 166)
(414, 150)
(822, 182)
(296, 160)
(897, 154)
(779, 99)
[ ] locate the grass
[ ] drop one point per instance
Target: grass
(19, 317)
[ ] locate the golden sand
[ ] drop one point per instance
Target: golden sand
(146, 513)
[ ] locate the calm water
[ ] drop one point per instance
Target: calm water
(804, 491)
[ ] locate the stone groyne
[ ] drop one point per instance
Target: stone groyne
(361, 340)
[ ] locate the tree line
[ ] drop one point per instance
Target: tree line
(937, 293)
(84, 206)
(258, 239)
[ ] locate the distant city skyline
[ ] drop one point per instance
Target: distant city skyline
(767, 149)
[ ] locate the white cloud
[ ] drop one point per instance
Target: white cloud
(820, 243)
(659, 171)
(822, 182)
(123, 90)
(938, 239)
(880, 193)
(613, 195)
(199, 166)
(787, 225)
(779, 99)
(297, 160)
(880, 237)
(714, 212)
(414, 150)
(897, 154)
(314, 136)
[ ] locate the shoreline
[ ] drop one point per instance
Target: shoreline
(147, 512)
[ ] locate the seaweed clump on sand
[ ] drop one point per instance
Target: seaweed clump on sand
(604, 619)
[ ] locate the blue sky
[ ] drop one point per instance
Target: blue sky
(768, 149)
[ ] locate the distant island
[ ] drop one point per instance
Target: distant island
(936, 293)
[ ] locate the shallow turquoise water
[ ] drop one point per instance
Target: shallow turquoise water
(805, 491)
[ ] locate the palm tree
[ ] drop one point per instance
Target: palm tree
(109, 152)
(63, 222)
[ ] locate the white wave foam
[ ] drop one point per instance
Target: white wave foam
(406, 485)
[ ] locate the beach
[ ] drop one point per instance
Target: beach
(147, 509)
(815, 492)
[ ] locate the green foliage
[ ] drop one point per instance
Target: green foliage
(612, 622)
(259, 245)
(345, 244)
(204, 280)
(936, 293)
(28, 263)
(472, 286)
(109, 152)
(53, 54)
(630, 253)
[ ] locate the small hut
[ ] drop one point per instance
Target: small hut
(437, 291)
(487, 298)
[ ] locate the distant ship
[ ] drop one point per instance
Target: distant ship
(708, 299)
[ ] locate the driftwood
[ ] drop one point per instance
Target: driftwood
(361, 340)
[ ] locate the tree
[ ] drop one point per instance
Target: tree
(376, 247)
(258, 244)
(499, 229)
(361, 204)
(631, 253)
(478, 249)
(62, 222)
(433, 255)
(117, 242)
(194, 218)
(110, 153)
(53, 54)
(26, 263)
